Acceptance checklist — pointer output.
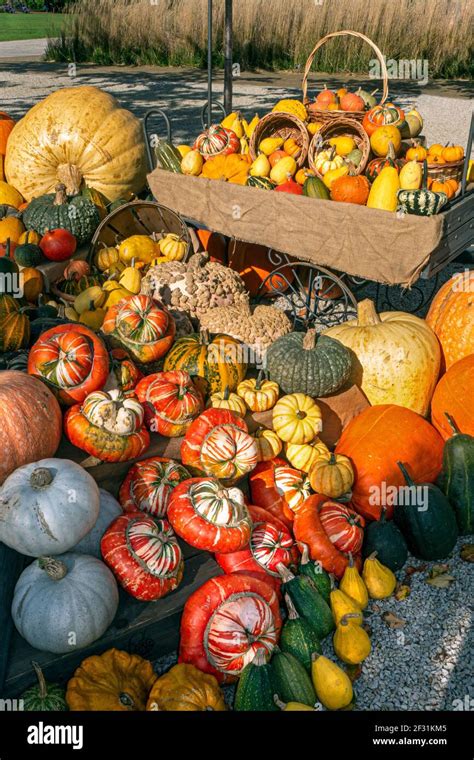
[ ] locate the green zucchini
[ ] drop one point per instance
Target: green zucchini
(428, 521)
(292, 683)
(256, 686)
(308, 601)
(298, 636)
(457, 477)
(168, 157)
(315, 571)
(315, 188)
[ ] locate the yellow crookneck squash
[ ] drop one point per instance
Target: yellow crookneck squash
(398, 356)
(383, 193)
(77, 135)
(184, 688)
(351, 642)
(113, 681)
(378, 578)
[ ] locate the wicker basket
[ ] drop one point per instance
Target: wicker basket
(315, 113)
(138, 218)
(281, 124)
(346, 127)
(451, 170)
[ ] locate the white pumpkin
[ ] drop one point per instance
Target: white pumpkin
(64, 603)
(46, 507)
(397, 356)
(109, 510)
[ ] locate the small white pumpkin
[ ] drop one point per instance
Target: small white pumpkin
(113, 412)
(46, 507)
(109, 510)
(64, 603)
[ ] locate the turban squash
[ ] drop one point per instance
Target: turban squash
(143, 553)
(171, 402)
(226, 621)
(375, 441)
(208, 516)
(108, 426)
(279, 488)
(75, 135)
(72, 360)
(149, 484)
(141, 326)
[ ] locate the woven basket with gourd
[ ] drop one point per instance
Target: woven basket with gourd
(343, 127)
(283, 125)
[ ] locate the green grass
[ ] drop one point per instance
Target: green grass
(29, 26)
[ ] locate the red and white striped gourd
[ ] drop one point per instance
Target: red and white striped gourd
(142, 326)
(72, 360)
(144, 555)
(209, 516)
(171, 402)
(226, 621)
(108, 426)
(279, 488)
(271, 543)
(217, 141)
(149, 484)
(218, 444)
(343, 525)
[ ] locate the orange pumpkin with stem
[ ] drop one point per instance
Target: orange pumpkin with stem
(454, 395)
(276, 156)
(444, 185)
(436, 149)
(451, 316)
(351, 189)
(453, 153)
(417, 152)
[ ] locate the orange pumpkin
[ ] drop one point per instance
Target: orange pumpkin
(435, 160)
(455, 394)
(442, 185)
(417, 152)
(452, 153)
(6, 126)
(30, 420)
(451, 316)
(276, 156)
(436, 149)
(230, 168)
(351, 190)
(375, 441)
(253, 264)
(214, 244)
(352, 102)
(11, 227)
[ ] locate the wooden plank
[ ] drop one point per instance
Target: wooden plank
(457, 241)
(150, 629)
(11, 565)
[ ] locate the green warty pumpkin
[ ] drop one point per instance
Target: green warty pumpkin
(56, 211)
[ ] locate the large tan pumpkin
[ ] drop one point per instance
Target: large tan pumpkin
(397, 356)
(451, 316)
(30, 421)
(75, 134)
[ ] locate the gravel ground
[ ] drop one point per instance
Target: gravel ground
(425, 665)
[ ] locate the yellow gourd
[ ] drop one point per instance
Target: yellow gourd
(327, 160)
(111, 284)
(334, 174)
(244, 146)
(383, 193)
(353, 585)
(105, 257)
(11, 228)
(303, 456)
(290, 105)
(229, 120)
(270, 144)
(341, 605)
(192, 163)
(237, 126)
(382, 137)
(282, 169)
(93, 317)
(30, 236)
(251, 127)
(9, 195)
(332, 685)
(291, 147)
(260, 167)
(344, 144)
(380, 580)
(183, 150)
(139, 247)
(411, 176)
(94, 295)
(116, 268)
(131, 279)
(116, 295)
(172, 247)
(351, 642)
(292, 706)
(314, 127)
(71, 314)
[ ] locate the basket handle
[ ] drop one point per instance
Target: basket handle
(309, 62)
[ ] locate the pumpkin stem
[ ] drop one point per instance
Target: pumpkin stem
(286, 575)
(309, 340)
(372, 556)
(43, 689)
(304, 554)
(345, 618)
(383, 515)
(41, 477)
(351, 560)
(292, 613)
(205, 337)
(60, 197)
(55, 568)
(71, 177)
(315, 656)
(332, 458)
(367, 313)
(281, 705)
(260, 377)
(409, 480)
(260, 657)
(226, 393)
(452, 424)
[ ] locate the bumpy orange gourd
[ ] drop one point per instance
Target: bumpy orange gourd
(184, 688)
(451, 316)
(232, 168)
(454, 395)
(351, 189)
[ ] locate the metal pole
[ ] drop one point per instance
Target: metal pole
(209, 61)
(228, 57)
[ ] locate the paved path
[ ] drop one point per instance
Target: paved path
(446, 106)
(23, 49)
